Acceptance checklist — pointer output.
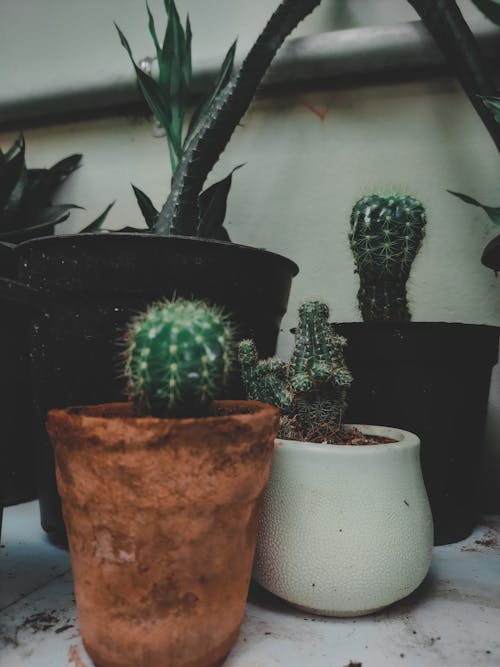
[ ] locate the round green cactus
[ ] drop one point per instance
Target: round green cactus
(178, 358)
(385, 236)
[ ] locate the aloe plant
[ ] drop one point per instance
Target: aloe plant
(188, 211)
(26, 208)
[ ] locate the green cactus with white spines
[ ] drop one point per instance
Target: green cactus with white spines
(178, 358)
(312, 388)
(385, 236)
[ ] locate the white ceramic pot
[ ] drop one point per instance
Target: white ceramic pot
(345, 530)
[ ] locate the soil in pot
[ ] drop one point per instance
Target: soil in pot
(162, 520)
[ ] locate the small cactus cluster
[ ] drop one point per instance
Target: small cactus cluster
(385, 236)
(311, 389)
(178, 357)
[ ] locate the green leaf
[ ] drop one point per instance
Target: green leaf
(44, 183)
(148, 210)
(490, 8)
(152, 30)
(212, 206)
(130, 230)
(12, 174)
(493, 212)
(95, 225)
(150, 89)
(52, 215)
(222, 80)
(493, 105)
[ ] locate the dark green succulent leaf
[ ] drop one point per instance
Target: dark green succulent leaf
(95, 225)
(188, 68)
(490, 8)
(14, 205)
(12, 177)
(493, 212)
(152, 30)
(175, 75)
(147, 207)
(454, 37)
(44, 183)
(212, 206)
(131, 230)
(149, 88)
(493, 105)
(51, 216)
(222, 80)
(66, 166)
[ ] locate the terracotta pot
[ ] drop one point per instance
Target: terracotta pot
(162, 520)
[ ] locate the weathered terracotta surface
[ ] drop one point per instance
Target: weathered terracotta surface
(162, 519)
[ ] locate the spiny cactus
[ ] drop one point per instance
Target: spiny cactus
(311, 389)
(386, 234)
(178, 358)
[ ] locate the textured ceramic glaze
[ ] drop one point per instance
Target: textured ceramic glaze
(345, 530)
(162, 519)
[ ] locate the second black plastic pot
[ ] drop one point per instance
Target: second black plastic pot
(432, 379)
(95, 282)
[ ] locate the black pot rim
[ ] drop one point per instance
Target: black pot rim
(108, 237)
(418, 325)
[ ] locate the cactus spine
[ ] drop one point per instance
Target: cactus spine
(385, 235)
(311, 389)
(177, 358)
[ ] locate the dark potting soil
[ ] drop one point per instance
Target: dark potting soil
(338, 435)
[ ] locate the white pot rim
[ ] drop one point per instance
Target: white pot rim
(404, 439)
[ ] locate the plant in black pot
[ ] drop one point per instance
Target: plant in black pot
(416, 375)
(26, 211)
(96, 281)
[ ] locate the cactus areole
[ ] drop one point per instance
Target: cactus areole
(178, 358)
(385, 236)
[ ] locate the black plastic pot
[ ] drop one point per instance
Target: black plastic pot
(17, 450)
(94, 282)
(432, 379)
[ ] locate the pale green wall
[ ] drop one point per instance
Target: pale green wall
(302, 174)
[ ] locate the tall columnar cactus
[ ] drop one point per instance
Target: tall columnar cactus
(386, 234)
(178, 358)
(311, 389)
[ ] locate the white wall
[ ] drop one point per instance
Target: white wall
(302, 173)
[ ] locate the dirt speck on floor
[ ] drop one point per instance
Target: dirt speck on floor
(354, 664)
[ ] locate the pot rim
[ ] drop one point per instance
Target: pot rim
(232, 408)
(147, 237)
(404, 440)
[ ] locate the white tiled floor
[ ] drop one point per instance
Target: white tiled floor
(453, 619)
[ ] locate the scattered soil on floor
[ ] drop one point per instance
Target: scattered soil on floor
(354, 664)
(40, 622)
(490, 540)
